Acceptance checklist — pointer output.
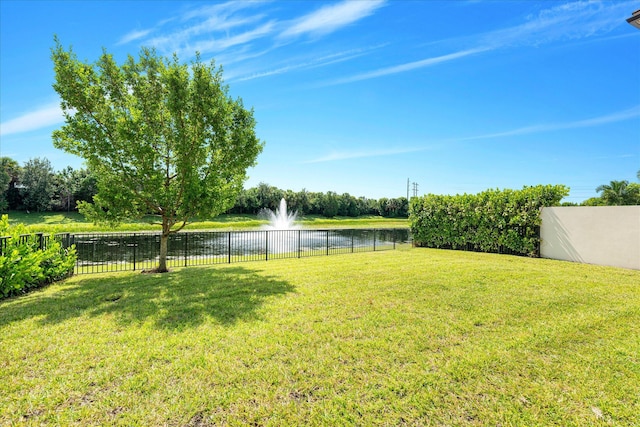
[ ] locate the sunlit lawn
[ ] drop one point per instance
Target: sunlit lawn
(406, 337)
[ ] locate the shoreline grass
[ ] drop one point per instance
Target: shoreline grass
(73, 222)
(408, 337)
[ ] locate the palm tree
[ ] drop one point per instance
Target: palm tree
(614, 193)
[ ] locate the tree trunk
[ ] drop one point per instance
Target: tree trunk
(162, 266)
(164, 246)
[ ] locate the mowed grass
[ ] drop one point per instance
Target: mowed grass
(73, 222)
(407, 337)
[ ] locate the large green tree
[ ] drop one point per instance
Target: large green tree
(162, 137)
(38, 184)
(86, 185)
(5, 180)
(10, 172)
(66, 185)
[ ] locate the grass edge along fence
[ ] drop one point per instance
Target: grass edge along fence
(105, 252)
(497, 221)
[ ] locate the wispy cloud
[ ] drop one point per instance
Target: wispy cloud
(220, 9)
(240, 54)
(241, 30)
(44, 116)
(346, 155)
(569, 21)
(619, 116)
(133, 35)
(428, 62)
(308, 64)
(211, 28)
(222, 43)
(330, 18)
(207, 29)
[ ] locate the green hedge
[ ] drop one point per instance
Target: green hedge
(25, 263)
(500, 221)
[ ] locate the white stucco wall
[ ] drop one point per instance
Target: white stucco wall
(603, 235)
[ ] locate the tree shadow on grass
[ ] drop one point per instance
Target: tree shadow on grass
(177, 300)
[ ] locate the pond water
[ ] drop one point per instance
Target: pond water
(141, 250)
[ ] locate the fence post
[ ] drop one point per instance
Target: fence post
(135, 249)
(266, 245)
(72, 241)
(299, 244)
(374, 239)
(327, 242)
(186, 252)
(3, 244)
(229, 246)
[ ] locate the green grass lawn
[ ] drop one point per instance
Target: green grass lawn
(73, 222)
(407, 337)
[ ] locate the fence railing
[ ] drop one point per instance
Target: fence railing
(40, 239)
(102, 252)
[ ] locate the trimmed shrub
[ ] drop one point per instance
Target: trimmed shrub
(26, 263)
(499, 221)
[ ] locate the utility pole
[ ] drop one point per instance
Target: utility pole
(407, 188)
(414, 187)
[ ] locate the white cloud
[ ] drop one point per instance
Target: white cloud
(45, 116)
(330, 18)
(213, 45)
(345, 155)
(217, 24)
(619, 116)
(133, 35)
(219, 9)
(409, 66)
(309, 64)
(567, 21)
(570, 21)
(236, 29)
(210, 29)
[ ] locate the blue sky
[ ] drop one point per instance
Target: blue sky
(358, 97)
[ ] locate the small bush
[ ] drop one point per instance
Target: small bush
(25, 263)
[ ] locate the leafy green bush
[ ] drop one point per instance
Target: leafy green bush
(502, 221)
(25, 263)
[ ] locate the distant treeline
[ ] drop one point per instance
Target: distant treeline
(36, 187)
(329, 204)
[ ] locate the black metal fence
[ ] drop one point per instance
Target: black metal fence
(41, 240)
(102, 252)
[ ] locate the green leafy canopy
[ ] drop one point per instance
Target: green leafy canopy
(163, 137)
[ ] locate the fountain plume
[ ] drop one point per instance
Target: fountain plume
(280, 219)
